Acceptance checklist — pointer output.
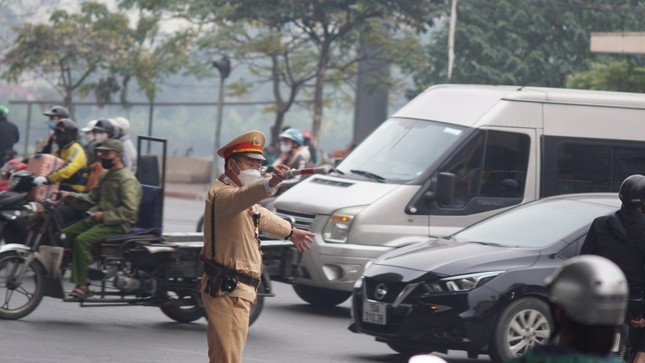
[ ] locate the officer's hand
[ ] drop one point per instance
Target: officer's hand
(639, 323)
(302, 239)
(40, 180)
(278, 175)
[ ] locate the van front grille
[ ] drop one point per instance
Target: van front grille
(298, 220)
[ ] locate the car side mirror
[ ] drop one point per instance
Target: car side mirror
(444, 192)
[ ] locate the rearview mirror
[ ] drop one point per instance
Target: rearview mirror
(444, 191)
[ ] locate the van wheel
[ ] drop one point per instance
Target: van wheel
(523, 324)
(318, 296)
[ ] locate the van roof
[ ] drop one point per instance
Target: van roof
(470, 102)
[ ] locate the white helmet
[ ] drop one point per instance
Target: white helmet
(123, 124)
(591, 290)
(90, 125)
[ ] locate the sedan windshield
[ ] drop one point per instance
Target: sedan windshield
(537, 224)
(400, 150)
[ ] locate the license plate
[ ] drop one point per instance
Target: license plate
(374, 313)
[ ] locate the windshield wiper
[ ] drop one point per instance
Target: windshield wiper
(372, 176)
(488, 243)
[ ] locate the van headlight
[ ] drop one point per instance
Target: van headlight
(337, 228)
(462, 282)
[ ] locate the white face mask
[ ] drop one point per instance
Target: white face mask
(285, 147)
(248, 176)
(100, 137)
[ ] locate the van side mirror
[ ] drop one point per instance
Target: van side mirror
(444, 192)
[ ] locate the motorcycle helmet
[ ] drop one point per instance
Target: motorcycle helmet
(90, 125)
(123, 124)
(590, 289)
(293, 135)
(4, 111)
(107, 126)
(632, 190)
(58, 111)
(66, 131)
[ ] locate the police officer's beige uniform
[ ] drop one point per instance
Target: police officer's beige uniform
(237, 247)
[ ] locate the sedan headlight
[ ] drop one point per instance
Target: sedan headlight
(337, 228)
(462, 282)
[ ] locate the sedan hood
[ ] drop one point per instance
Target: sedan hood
(449, 258)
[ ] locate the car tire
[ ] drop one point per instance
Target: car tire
(318, 296)
(533, 316)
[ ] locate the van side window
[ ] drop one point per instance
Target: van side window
(573, 165)
(492, 165)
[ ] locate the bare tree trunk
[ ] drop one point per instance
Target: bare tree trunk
(318, 92)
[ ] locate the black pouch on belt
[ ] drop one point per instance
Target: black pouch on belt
(216, 274)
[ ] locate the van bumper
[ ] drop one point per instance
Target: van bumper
(335, 266)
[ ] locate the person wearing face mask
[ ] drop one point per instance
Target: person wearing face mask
(232, 222)
(72, 176)
(88, 141)
(620, 237)
(102, 130)
(294, 154)
(56, 114)
(116, 196)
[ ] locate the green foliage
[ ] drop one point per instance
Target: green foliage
(536, 42)
(68, 49)
(615, 76)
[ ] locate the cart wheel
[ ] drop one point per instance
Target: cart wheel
(19, 298)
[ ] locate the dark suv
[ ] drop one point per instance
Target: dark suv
(480, 290)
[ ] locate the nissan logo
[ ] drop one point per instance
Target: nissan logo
(380, 291)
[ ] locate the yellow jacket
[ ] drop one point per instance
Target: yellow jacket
(237, 245)
(73, 174)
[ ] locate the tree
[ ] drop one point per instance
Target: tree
(614, 76)
(69, 49)
(332, 27)
(534, 42)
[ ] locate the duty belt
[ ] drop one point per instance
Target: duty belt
(243, 278)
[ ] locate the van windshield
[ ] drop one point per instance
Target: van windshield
(400, 150)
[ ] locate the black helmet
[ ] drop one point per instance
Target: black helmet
(632, 190)
(66, 131)
(59, 111)
(106, 125)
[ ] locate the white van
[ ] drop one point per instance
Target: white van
(493, 146)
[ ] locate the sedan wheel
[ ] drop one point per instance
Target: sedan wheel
(523, 324)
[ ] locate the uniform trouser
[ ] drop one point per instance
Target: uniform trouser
(85, 235)
(228, 325)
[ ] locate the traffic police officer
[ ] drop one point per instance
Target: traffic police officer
(232, 221)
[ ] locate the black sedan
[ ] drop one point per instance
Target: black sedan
(480, 290)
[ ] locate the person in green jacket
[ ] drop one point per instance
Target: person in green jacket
(588, 296)
(116, 199)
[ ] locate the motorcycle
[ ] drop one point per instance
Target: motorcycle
(144, 268)
(19, 190)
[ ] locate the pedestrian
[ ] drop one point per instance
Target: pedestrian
(9, 135)
(588, 297)
(87, 140)
(56, 114)
(620, 237)
(232, 222)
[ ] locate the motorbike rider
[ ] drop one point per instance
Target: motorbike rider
(116, 196)
(102, 130)
(9, 135)
(588, 297)
(73, 175)
(87, 140)
(294, 154)
(56, 114)
(621, 238)
(130, 157)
